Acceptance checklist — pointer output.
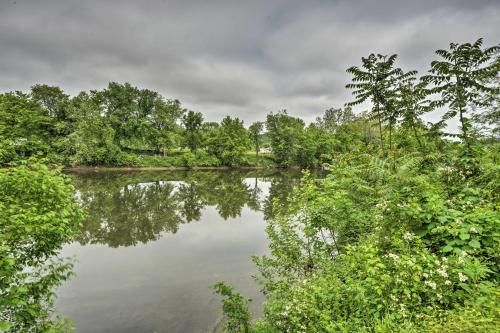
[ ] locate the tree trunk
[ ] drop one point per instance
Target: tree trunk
(417, 137)
(380, 129)
(464, 123)
(390, 135)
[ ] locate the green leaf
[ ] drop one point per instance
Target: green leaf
(447, 248)
(4, 325)
(475, 244)
(464, 236)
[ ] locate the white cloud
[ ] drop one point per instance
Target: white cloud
(243, 58)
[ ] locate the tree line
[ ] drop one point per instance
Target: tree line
(123, 125)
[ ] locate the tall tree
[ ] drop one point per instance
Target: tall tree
(229, 141)
(22, 118)
(121, 108)
(392, 110)
(285, 133)
(487, 117)
(93, 140)
(461, 77)
(192, 122)
(164, 118)
(52, 99)
(412, 103)
(255, 132)
(334, 118)
(375, 81)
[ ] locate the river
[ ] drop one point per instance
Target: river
(154, 241)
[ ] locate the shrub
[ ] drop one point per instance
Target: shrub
(38, 214)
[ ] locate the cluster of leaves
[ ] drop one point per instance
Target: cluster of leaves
(38, 215)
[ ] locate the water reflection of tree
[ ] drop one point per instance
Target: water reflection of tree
(280, 189)
(129, 214)
(124, 209)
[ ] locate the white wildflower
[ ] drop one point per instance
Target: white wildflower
(442, 272)
(461, 257)
(447, 282)
(472, 229)
(408, 236)
(431, 284)
(393, 256)
(462, 277)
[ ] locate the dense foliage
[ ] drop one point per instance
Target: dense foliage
(404, 233)
(126, 126)
(37, 216)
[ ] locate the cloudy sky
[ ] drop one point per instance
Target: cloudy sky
(242, 58)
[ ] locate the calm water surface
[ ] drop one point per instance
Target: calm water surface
(153, 243)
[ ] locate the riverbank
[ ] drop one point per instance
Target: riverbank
(173, 168)
(180, 161)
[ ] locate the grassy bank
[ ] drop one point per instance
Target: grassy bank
(181, 160)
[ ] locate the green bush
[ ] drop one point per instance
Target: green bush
(125, 159)
(38, 214)
(189, 159)
(385, 247)
(235, 309)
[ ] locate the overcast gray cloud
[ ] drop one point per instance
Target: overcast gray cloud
(242, 58)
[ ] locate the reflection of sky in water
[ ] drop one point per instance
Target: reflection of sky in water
(163, 285)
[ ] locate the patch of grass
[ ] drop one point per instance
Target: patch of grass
(178, 159)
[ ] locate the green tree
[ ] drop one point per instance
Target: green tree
(235, 309)
(165, 116)
(229, 141)
(119, 104)
(461, 77)
(22, 118)
(285, 133)
(376, 81)
(192, 122)
(412, 103)
(56, 105)
(24, 128)
(487, 116)
(255, 132)
(334, 118)
(93, 141)
(208, 129)
(316, 147)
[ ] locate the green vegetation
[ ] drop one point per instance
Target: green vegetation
(37, 216)
(403, 235)
(124, 126)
